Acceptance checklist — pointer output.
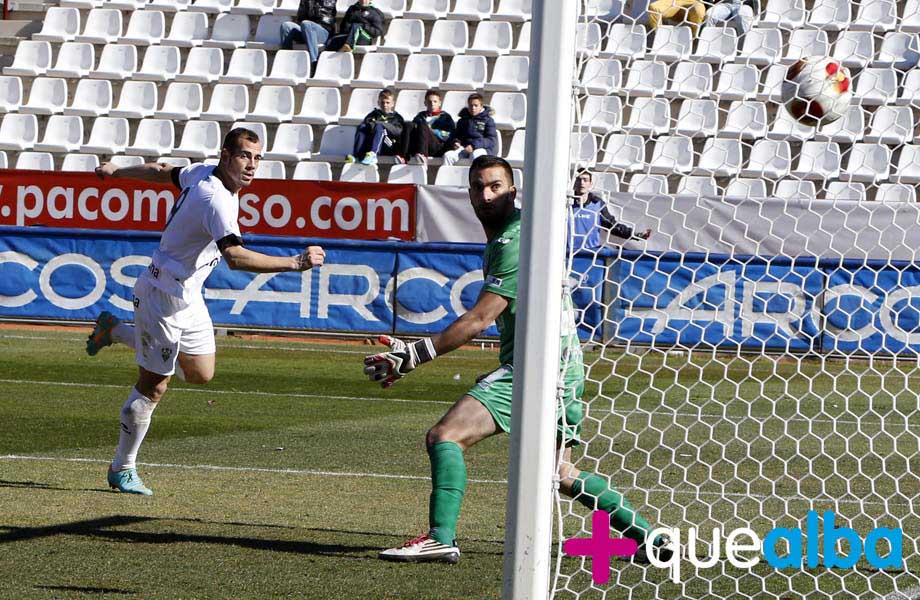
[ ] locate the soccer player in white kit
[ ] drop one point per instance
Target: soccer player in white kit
(172, 327)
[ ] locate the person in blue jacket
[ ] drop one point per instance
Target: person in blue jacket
(475, 134)
(590, 215)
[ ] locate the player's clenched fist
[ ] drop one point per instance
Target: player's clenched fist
(313, 256)
(389, 367)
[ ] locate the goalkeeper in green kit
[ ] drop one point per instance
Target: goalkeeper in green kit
(486, 409)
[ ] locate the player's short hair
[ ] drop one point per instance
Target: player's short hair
(585, 172)
(486, 161)
(433, 92)
(475, 96)
(386, 93)
(232, 141)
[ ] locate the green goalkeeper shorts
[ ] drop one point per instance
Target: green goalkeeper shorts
(494, 392)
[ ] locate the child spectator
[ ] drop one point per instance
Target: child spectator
(428, 133)
(380, 131)
(475, 134)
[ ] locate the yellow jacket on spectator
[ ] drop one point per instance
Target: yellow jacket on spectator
(677, 12)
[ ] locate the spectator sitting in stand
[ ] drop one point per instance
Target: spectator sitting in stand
(314, 23)
(428, 133)
(737, 14)
(677, 12)
(360, 26)
(475, 134)
(380, 132)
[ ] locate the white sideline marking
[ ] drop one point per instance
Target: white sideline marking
(228, 392)
(908, 594)
(657, 490)
(657, 412)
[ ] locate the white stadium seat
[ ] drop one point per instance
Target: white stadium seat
(830, 15)
(59, 25)
(509, 110)
(290, 67)
(428, 10)
(588, 39)
(183, 101)
(200, 139)
(806, 42)
(35, 161)
(117, 62)
(818, 160)
(412, 174)
(671, 43)
(138, 99)
(362, 101)
(293, 142)
(908, 170)
(229, 32)
(868, 162)
(125, 5)
(337, 142)
(845, 190)
(785, 14)
(268, 33)
(82, 4)
(600, 75)
(784, 127)
(691, 80)
(75, 60)
(649, 116)
(358, 173)
(312, 171)
(510, 74)
(10, 93)
(492, 38)
(515, 154)
(176, 161)
(448, 38)
(910, 21)
(31, 58)
(737, 82)
(260, 129)
(391, 9)
(102, 26)
(92, 98)
(81, 163)
(62, 134)
(515, 11)
(746, 120)
(145, 28)
(891, 125)
(625, 41)
(583, 149)
(793, 189)
(253, 7)
(274, 104)
(876, 15)
(229, 102)
(211, 7)
(771, 159)
(422, 72)
(411, 102)
(170, 6)
(648, 185)
(271, 169)
(321, 106)
(875, 86)
(246, 66)
(672, 154)
(108, 136)
(153, 137)
(646, 78)
(603, 10)
(522, 46)
(697, 118)
(624, 153)
(761, 46)
(203, 65)
(189, 29)
(467, 73)
(854, 49)
(161, 63)
(334, 69)
(772, 90)
(121, 161)
(720, 158)
(472, 10)
(746, 188)
(403, 36)
(452, 175)
(18, 132)
(698, 187)
(48, 96)
(894, 192)
(847, 129)
(602, 114)
(378, 70)
(716, 45)
(899, 50)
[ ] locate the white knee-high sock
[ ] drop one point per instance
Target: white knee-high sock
(135, 421)
(123, 334)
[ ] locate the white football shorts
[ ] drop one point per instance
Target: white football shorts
(165, 325)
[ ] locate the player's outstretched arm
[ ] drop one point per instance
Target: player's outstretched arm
(389, 367)
(155, 172)
(240, 258)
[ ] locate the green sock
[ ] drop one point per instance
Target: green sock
(448, 482)
(592, 491)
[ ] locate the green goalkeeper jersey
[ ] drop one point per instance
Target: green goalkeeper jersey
(500, 273)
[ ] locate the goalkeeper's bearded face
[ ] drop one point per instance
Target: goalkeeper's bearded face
(492, 195)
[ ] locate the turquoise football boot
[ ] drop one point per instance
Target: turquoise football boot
(102, 333)
(128, 481)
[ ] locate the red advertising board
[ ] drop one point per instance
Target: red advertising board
(323, 209)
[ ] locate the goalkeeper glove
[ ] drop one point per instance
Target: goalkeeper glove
(390, 367)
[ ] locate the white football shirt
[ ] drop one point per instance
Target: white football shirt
(204, 212)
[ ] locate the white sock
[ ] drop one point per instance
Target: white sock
(135, 421)
(123, 334)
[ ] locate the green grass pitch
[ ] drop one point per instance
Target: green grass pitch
(285, 475)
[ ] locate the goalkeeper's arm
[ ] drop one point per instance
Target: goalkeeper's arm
(471, 324)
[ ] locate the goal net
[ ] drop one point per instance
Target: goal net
(755, 360)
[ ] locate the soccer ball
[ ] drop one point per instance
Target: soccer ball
(817, 90)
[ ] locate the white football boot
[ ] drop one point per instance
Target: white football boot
(423, 549)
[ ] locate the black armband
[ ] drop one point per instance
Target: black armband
(229, 240)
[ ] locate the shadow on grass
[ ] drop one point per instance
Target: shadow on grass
(103, 528)
(37, 485)
(84, 590)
